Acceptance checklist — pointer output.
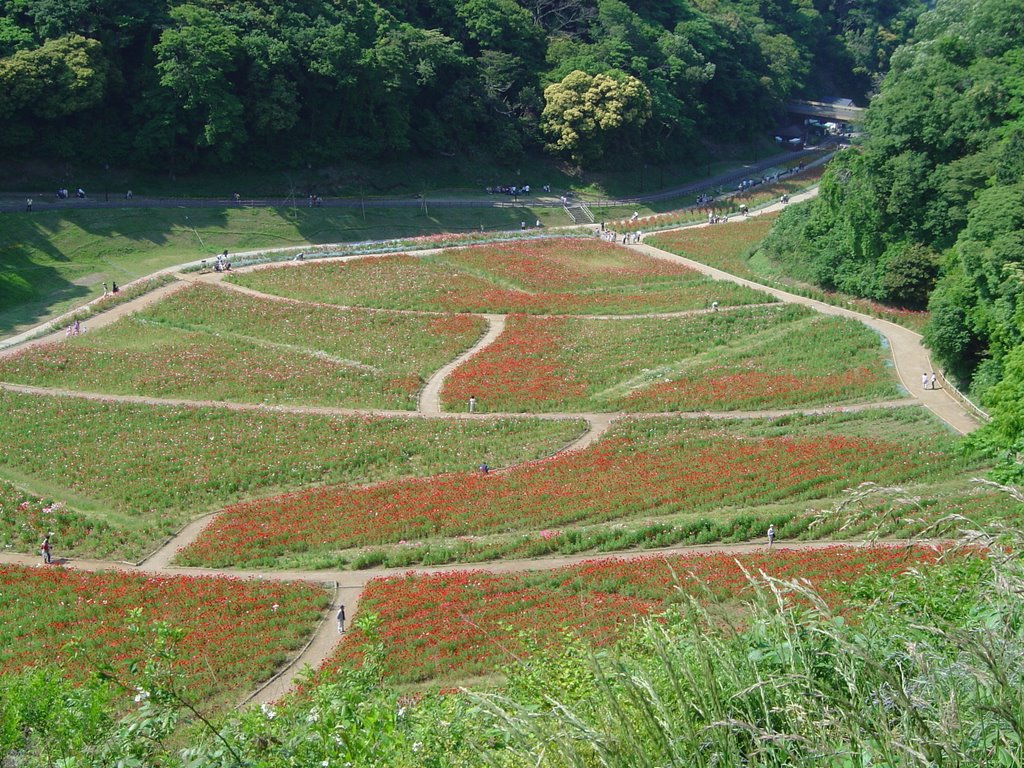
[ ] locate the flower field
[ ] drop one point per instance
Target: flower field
(25, 518)
(643, 468)
(544, 276)
(722, 246)
(450, 626)
(210, 343)
(235, 632)
(171, 463)
(751, 357)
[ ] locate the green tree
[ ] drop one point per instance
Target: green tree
(195, 57)
(60, 78)
(584, 116)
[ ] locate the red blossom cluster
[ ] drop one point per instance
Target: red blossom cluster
(235, 632)
(465, 623)
(696, 471)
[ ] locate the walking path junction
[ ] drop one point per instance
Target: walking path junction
(908, 354)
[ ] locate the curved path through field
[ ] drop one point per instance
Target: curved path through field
(909, 356)
(349, 585)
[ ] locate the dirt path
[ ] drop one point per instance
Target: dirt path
(909, 355)
(430, 397)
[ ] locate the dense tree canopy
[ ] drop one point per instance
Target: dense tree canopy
(178, 83)
(929, 211)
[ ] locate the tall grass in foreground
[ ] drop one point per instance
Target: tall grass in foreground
(927, 671)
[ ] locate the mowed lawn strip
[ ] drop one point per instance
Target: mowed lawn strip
(642, 468)
(235, 633)
(544, 276)
(450, 626)
(138, 462)
(746, 358)
(210, 343)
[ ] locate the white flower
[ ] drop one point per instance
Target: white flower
(417, 746)
(268, 711)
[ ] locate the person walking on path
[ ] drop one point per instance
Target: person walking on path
(28, 205)
(472, 403)
(771, 535)
(44, 550)
(341, 619)
(924, 381)
(931, 380)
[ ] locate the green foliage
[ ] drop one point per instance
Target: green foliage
(205, 82)
(933, 197)
(589, 116)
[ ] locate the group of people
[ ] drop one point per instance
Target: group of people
(512, 190)
(62, 193)
(611, 236)
(221, 264)
(74, 329)
(314, 201)
(929, 380)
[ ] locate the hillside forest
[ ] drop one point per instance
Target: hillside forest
(928, 211)
(173, 85)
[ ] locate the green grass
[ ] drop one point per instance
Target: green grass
(745, 358)
(732, 248)
(53, 262)
(542, 276)
(205, 342)
(137, 464)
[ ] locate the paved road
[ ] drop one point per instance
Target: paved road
(15, 202)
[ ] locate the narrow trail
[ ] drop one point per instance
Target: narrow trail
(430, 396)
(316, 410)
(909, 355)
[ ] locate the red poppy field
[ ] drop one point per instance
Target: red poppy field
(751, 357)
(544, 276)
(211, 343)
(235, 632)
(450, 626)
(643, 468)
(155, 468)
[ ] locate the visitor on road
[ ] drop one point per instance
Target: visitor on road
(341, 619)
(44, 549)
(472, 403)
(931, 380)
(771, 535)
(484, 469)
(113, 287)
(924, 381)
(28, 205)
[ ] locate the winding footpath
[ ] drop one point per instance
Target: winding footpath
(909, 358)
